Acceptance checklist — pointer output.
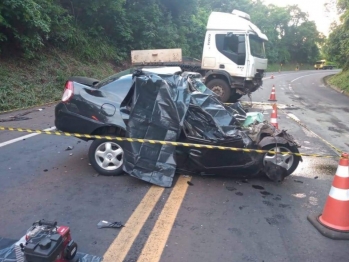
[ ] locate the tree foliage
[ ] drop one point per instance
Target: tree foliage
(337, 45)
(110, 29)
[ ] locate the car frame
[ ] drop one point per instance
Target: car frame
(93, 107)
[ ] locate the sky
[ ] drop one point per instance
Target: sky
(315, 9)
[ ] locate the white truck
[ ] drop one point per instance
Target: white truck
(233, 59)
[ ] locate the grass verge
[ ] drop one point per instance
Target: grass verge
(288, 67)
(24, 84)
(340, 81)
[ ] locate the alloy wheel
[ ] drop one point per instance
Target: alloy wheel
(281, 158)
(109, 155)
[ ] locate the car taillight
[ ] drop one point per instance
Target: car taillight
(68, 91)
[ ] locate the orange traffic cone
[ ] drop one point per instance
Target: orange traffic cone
(274, 117)
(272, 94)
(334, 220)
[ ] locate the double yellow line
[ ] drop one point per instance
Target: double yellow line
(157, 238)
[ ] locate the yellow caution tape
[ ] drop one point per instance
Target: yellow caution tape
(139, 140)
(29, 107)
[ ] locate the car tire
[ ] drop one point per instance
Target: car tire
(106, 157)
(221, 88)
(285, 147)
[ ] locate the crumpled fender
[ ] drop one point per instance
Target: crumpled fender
(274, 140)
(269, 140)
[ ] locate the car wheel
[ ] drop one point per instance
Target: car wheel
(106, 157)
(289, 162)
(221, 88)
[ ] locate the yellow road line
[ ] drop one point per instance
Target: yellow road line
(157, 239)
(118, 250)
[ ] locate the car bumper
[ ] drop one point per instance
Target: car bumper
(68, 121)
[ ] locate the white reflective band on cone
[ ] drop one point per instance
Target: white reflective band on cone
(342, 171)
(273, 121)
(339, 194)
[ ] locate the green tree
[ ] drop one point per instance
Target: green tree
(26, 25)
(337, 45)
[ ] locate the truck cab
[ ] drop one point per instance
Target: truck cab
(233, 56)
(323, 65)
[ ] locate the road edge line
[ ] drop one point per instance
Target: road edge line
(9, 142)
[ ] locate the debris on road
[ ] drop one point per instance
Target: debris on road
(71, 154)
(298, 181)
(190, 183)
(18, 117)
(316, 177)
(69, 148)
(266, 193)
(106, 224)
(258, 187)
(230, 188)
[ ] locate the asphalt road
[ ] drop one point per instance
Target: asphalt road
(214, 219)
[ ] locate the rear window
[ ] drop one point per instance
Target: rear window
(115, 77)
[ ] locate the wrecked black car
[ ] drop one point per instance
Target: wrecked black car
(160, 104)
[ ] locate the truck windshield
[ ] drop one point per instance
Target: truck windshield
(257, 47)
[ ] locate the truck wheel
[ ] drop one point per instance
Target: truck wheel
(221, 88)
(234, 97)
(106, 157)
